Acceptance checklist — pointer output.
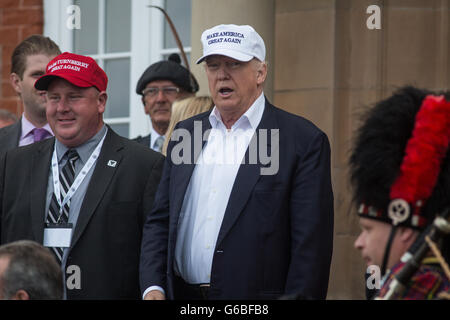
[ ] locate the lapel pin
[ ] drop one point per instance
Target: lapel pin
(112, 163)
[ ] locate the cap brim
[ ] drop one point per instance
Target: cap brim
(43, 82)
(228, 53)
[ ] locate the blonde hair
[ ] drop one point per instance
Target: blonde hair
(184, 109)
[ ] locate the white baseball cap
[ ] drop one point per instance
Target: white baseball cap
(242, 43)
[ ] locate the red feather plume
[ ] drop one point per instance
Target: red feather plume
(424, 152)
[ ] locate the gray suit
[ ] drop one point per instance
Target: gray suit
(9, 136)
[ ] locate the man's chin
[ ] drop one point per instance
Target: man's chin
(40, 110)
(226, 104)
(161, 114)
(161, 120)
(68, 140)
(370, 263)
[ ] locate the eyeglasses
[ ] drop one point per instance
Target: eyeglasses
(154, 91)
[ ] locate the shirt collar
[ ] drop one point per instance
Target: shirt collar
(85, 150)
(27, 127)
(251, 118)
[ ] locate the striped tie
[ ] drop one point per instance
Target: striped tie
(159, 143)
(66, 178)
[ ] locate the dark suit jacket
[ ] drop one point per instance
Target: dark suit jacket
(9, 136)
(143, 140)
(107, 237)
(276, 236)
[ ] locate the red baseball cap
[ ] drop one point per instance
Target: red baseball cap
(81, 71)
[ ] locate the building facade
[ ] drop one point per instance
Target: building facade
(329, 60)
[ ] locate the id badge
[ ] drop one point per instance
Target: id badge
(57, 235)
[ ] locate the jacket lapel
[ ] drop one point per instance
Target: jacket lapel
(146, 141)
(18, 131)
(40, 168)
(247, 176)
(182, 174)
(99, 182)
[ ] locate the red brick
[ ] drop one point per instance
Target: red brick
(6, 60)
(27, 31)
(5, 69)
(12, 105)
(5, 73)
(30, 3)
(7, 90)
(8, 4)
(22, 16)
(9, 35)
(7, 49)
(19, 109)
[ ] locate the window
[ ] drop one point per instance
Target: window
(124, 37)
(180, 14)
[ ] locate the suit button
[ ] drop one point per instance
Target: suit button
(219, 251)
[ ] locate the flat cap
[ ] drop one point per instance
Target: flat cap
(168, 70)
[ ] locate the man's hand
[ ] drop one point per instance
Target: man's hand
(154, 295)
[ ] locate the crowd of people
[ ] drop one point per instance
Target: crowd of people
(227, 197)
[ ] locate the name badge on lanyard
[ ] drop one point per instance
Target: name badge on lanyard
(58, 235)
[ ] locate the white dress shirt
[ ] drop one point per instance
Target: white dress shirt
(208, 192)
(26, 137)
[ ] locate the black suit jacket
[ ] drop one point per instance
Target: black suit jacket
(145, 140)
(106, 239)
(9, 136)
(276, 236)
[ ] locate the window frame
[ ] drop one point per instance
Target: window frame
(143, 50)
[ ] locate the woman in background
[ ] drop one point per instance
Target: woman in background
(184, 109)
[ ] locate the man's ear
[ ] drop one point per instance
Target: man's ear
(16, 82)
(21, 295)
(261, 73)
(407, 234)
(102, 97)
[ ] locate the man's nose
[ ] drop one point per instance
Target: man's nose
(359, 242)
(161, 95)
(222, 73)
(62, 105)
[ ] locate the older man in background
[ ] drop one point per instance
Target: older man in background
(160, 85)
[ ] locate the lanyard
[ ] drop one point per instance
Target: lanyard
(74, 187)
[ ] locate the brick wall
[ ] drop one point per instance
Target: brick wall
(18, 20)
